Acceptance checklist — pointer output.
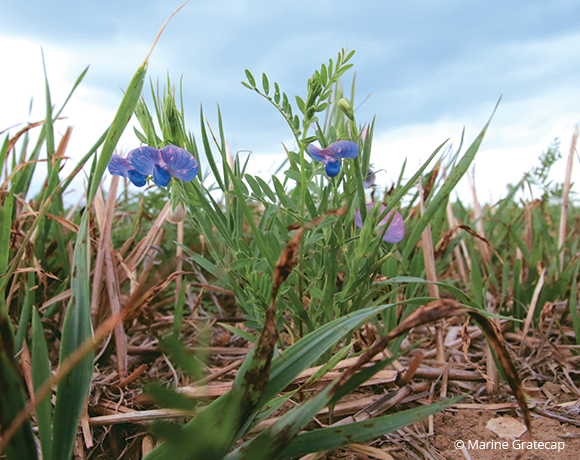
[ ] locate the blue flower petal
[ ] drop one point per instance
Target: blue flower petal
(161, 176)
(180, 163)
(332, 167)
(316, 153)
(343, 149)
(119, 166)
(144, 159)
(138, 179)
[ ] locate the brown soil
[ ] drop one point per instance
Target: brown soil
(469, 426)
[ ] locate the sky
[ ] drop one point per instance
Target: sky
(429, 69)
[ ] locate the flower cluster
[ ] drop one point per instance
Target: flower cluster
(396, 230)
(170, 161)
(332, 154)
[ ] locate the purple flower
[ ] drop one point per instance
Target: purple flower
(170, 161)
(119, 166)
(331, 155)
(396, 230)
(370, 179)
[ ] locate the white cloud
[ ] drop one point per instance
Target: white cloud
(430, 73)
(88, 111)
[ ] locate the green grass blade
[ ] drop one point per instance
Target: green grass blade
(574, 304)
(73, 389)
(451, 182)
(271, 441)
(209, 153)
(6, 219)
(122, 117)
(21, 444)
(40, 373)
(335, 437)
(285, 368)
(4, 151)
(26, 312)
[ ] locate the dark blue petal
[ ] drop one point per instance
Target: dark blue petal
(180, 163)
(119, 166)
(332, 167)
(138, 179)
(161, 176)
(144, 159)
(343, 149)
(315, 152)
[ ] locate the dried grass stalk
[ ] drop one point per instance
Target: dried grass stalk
(566, 198)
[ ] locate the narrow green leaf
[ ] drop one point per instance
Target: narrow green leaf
(122, 117)
(322, 107)
(259, 237)
(574, 303)
(73, 388)
(265, 84)
(296, 123)
(168, 397)
(293, 175)
(250, 78)
(179, 355)
(323, 74)
(238, 264)
(243, 334)
(40, 374)
(21, 445)
(6, 219)
(140, 136)
(449, 185)
(301, 104)
(208, 152)
(266, 188)
(204, 263)
(25, 312)
(334, 437)
(254, 185)
(178, 315)
(283, 371)
(284, 200)
(286, 105)
(456, 292)
(271, 441)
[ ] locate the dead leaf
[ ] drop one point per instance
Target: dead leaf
(445, 308)
(506, 427)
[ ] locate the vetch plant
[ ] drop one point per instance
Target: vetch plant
(332, 154)
(307, 302)
(170, 161)
(396, 229)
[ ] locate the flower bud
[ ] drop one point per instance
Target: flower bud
(346, 108)
(176, 214)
